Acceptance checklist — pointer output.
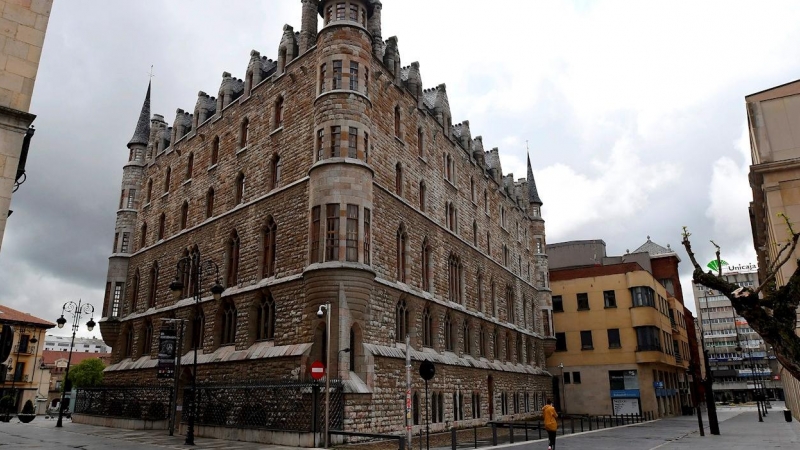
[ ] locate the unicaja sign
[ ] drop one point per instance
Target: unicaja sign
(715, 266)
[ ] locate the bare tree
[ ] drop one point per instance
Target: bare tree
(769, 310)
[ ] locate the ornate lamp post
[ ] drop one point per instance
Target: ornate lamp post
(76, 310)
(326, 310)
(195, 269)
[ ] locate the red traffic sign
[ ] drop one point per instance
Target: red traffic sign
(317, 370)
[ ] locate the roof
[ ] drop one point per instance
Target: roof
(49, 357)
(142, 133)
(654, 249)
(533, 193)
(773, 92)
(12, 316)
(573, 273)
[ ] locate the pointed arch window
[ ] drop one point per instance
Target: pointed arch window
(184, 214)
(232, 260)
(520, 351)
(279, 113)
(426, 268)
(266, 318)
(275, 170)
(495, 345)
(475, 233)
(149, 190)
(186, 281)
(135, 295)
(510, 304)
(454, 278)
(198, 329)
(401, 253)
(480, 292)
(397, 122)
(472, 189)
(427, 327)
(420, 143)
(401, 321)
(508, 346)
(423, 194)
(243, 133)
(229, 318)
(493, 299)
(153, 290)
(167, 179)
(465, 332)
(482, 338)
(398, 179)
(239, 193)
(449, 338)
(210, 203)
(143, 236)
(191, 287)
(189, 166)
(147, 343)
(270, 247)
(215, 151)
(162, 225)
(128, 343)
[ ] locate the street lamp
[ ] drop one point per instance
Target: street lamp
(76, 310)
(563, 388)
(195, 269)
(326, 311)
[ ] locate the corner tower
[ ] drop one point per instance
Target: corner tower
(127, 212)
(542, 270)
(341, 180)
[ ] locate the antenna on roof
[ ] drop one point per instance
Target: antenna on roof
(151, 72)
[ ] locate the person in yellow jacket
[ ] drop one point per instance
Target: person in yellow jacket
(550, 423)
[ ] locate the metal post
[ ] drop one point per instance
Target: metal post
(327, 374)
(59, 423)
(173, 404)
(427, 420)
(76, 309)
(408, 390)
(453, 443)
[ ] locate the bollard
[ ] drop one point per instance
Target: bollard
(590, 423)
(572, 425)
(475, 435)
(581, 424)
(511, 433)
(402, 444)
(540, 429)
(526, 430)
(494, 434)
(453, 442)
(562, 428)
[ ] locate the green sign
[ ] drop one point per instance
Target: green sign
(715, 266)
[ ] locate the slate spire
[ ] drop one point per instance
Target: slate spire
(533, 194)
(142, 133)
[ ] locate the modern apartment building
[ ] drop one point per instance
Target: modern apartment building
(82, 345)
(739, 359)
(621, 341)
(773, 118)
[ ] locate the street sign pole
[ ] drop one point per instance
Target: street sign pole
(408, 392)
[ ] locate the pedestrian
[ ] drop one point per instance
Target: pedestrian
(550, 423)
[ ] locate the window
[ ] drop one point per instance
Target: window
(472, 190)
(322, 73)
(401, 321)
(426, 265)
(397, 121)
(420, 143)
(275, 168)
(135, 295)
(586, 340)
(162, 225)
(475, 233)
(266, 318)
(131, 198)
(502, 216)
(143, 236)
(454, 278)
(467, 338)
(510, 304)
(184, 215)
(189, 166)
(401, 254)
(485, 202)
(567, 378)
(648, 339)
(449, 168)
(482, 342)
(423, 193)
(539, 245)
(476, 405)
(320, 144)
(167, 177)
(147, 345)
(449, 338)
(366, 146)
(353, 346)
(558, 304)
(279, 113)
(353, 75)
(117, 299)
(239, 189)
(398, 179)
(427, 327)
(505, 255)
(561, 342)
(415, 408)
(270, 247)
(352, 142)
(480, 292)
(354, 12)
(508, 346)
(243, 133)
(340, 11)
(126, 241)
(198, 329)
(613, 338)
(351, 254)
(643, 296)
(228, 331)
(583, 301)
(493, 298)
(149, 190)
(127, 353)
(367, 235)
(337, 74)
(210, 203)
(215, 151)
(232, 253)
(609, 299)
(332, 232)
(495, 345)
(336, 141)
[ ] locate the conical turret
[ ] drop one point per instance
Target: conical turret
(142, 132)
(533, 194)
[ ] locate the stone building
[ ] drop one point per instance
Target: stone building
(332, 175)
(21, 375)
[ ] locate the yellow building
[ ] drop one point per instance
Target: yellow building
(22, 374)
(773, 118)
(621, 341)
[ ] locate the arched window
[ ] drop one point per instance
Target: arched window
(472, 189)
(191, 287)
(184, 214)
(454, 278)
(210, 203)
(270, 247)
(508, 346)
(482, 350)
(167, 179)
(153, 290)
(480, 292)
(185, 276)
(352, 348)
(401, 321)
(232, 260)
(275, 170)
(423, 194)
(467, 338)
(266, 318)
(147, 342)
(128, 343)
(228, 329)
(426, 268)
(427, 327)
(401, 253)
(149, 190)
(488, 244)
(398, 179)
(520, 354)
(495, 345)
(135, 295)
(143, 236)
(239, 194)
(449, 339)
(243, 133)
(475, 233)
(397, 122)
(485, 202)
(279, 113)
(420, 143)
(510, 313)
(493, 299)
(189, 166)
(415, 408)
(198, 329)
(215, 151)
(162, 225)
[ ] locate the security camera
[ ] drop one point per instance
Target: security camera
(320, 312)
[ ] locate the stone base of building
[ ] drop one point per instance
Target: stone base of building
(118, 422)
(289, 439)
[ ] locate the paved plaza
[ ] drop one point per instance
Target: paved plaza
(739, 428)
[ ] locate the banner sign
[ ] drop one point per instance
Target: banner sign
(167, 349)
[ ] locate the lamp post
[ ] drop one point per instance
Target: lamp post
(20, 330)
(76, 310)
(326, 310)
(563, 388)
(195, 269)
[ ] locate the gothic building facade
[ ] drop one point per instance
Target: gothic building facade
(330, 175)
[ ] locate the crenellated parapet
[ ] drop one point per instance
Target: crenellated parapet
(230, 89)
(204, 109)
(182, 125)
(258, 69)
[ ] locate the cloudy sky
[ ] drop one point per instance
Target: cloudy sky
(633, 111)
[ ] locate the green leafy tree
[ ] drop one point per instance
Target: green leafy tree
(88, 373)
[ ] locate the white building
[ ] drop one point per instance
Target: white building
(82, 345)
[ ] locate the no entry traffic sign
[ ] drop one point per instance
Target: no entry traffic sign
(317, 370)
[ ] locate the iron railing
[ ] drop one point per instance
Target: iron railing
(136, 402)
(283, 406)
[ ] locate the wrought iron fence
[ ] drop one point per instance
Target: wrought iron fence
(133, 402)
(284, 406)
